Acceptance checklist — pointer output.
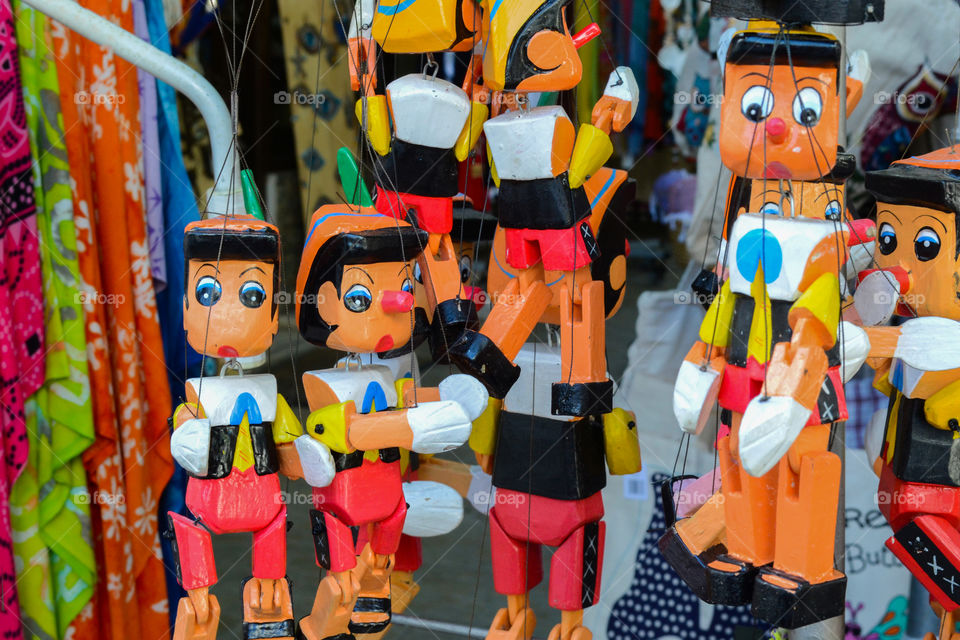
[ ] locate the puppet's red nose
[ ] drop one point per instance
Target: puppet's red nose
(396, 301)
(776, 129)
(586, 34)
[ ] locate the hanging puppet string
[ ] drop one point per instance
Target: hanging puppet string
(365, 89)
(376, 160)
(233, 75)
(839, 250)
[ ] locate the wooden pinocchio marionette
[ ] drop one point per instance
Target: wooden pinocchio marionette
(918, 366)
(540, 164)
(420, 130)
(549, 469)
(769, 354)
(235, 432)
(355, 293)
(725, 549)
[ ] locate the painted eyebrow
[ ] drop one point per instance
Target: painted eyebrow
(209, 264)
(823, 82)
(755, 73)
(403, 269)
(935, 220)
(363, 272)
(828, 192)
(252, 268)
(891, 213)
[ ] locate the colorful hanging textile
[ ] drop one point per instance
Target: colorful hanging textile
(21, 304)
(150, 137)
(49, 503)
(129, 464)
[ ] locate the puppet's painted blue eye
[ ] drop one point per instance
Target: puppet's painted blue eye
(357, 299)
(833, 211)
(888, 239)
(407, 286)
(927, 244)
(208, 291)
(252, 294)
(771, 209)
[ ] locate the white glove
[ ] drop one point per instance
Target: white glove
(929, 344)
(438, 426)
(433, 509)
(873, 438)
(315, 460)
(860, 259)
(694, 395)
(622, 84)
(466, 390)
(190, 446)
(767, 430)
(854, 349)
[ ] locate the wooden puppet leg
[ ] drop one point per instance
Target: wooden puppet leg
(337, 593)
(584, 388)
(948, 624)
(807, 500)
(372, 611)
(575, 572)
(516, 312)
(802, 587)
(517, 568)
(198, 614)
(749, 505)
(267, 606)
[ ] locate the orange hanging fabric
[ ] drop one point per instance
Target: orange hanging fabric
(129, 464)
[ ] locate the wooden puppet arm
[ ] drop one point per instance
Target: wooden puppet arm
(290, 464)
(797, 369)
(942, 409)
(621, 442)
(362, 48)
(430, 427)
(613, 112)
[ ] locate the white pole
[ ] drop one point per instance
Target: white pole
(226, 169)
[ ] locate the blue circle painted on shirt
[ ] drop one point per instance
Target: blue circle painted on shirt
(756, 246)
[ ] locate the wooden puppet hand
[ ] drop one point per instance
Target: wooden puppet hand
(445, 424)
(619, 101)
(873, 439)
(929, 344)
(438, 426)
(190, 446)
(316, 461)
(854, 350)
(697, 386)
(774, 419)
(468, 391)
(433, 509)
